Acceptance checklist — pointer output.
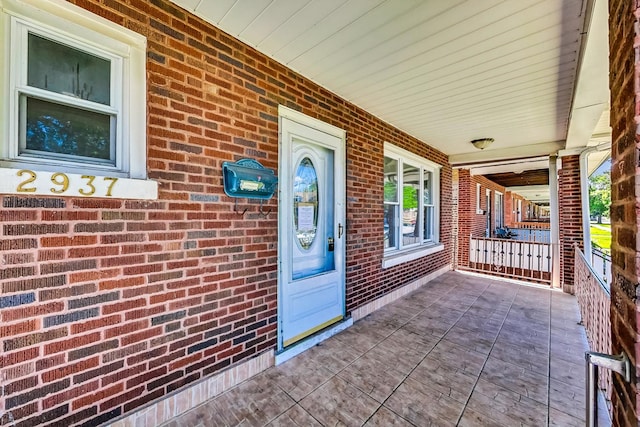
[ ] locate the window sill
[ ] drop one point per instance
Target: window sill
(479, 211)
(30, 183)
(410, 255)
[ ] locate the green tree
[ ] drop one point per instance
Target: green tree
(600, 195)
(409, 197)
(390, 191)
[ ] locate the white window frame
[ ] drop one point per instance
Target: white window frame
(479, 210)
(73, 26)
(519, 211)
(394, 256)
(499, 208)
(488, 212)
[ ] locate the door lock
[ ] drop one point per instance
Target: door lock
(330, 244)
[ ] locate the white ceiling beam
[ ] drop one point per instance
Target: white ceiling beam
(511, 167)
(521, 152)
(528, 188)
(591, 96)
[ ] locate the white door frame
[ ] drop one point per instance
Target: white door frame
(339, 203)
(499, 208)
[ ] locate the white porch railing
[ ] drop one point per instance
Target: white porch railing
(542, 235)
(511, 258)
(532, 225)
(595, 301)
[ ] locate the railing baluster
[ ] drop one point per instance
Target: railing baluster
(511, 258)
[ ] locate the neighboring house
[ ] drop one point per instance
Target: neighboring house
(128, 272)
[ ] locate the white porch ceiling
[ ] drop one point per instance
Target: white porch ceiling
(534, 193)
(446, 72)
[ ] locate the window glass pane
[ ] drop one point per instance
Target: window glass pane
(488, 213)
(59, 129)
(305, 204)
(390, 226)
(413, 220)
(410, 198)
(62, 69)
(390, 180)
(499, 210)
(427, 188)
(428, 223)
(427, 184)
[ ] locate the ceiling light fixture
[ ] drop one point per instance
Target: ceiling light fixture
(482, 143)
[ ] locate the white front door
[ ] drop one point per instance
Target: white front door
(311, 227)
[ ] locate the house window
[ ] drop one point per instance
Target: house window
(76, 92)
(411, 202)
(499, 210)
(429, 207)
(519, 211)
(65, 109)
(488, 213)
(479, 210)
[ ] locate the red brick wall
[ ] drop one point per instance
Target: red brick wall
(471, 223)
(570, 210)
(511, 208)
(108, 304)
(466, 214)
(625, 103)
(366, 280)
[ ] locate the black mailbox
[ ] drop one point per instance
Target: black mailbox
(247, 178)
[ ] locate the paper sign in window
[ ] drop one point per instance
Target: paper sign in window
(305, 217)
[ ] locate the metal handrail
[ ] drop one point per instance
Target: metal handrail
(605, 258)
(620, 364)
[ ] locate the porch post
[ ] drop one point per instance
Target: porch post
(584, 194)
(509, 209)
(555, 220)
(570, 216)
(455, 200)
(466, 215)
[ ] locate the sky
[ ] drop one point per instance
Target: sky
(606, 166)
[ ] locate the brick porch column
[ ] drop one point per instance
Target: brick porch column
(624, 70)
(466, 210)
(509, 209)
(570, 203)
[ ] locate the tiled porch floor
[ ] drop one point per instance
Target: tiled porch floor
(462, 350)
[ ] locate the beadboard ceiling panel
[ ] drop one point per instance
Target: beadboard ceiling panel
(446, 72)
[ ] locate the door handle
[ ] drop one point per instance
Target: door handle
(340, 230)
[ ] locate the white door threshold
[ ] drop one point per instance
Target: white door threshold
(311, 341)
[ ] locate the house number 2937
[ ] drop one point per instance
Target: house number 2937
(61, 183)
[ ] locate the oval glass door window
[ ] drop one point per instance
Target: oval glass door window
(305, 203)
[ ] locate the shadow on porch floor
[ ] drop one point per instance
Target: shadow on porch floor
(462, 350)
